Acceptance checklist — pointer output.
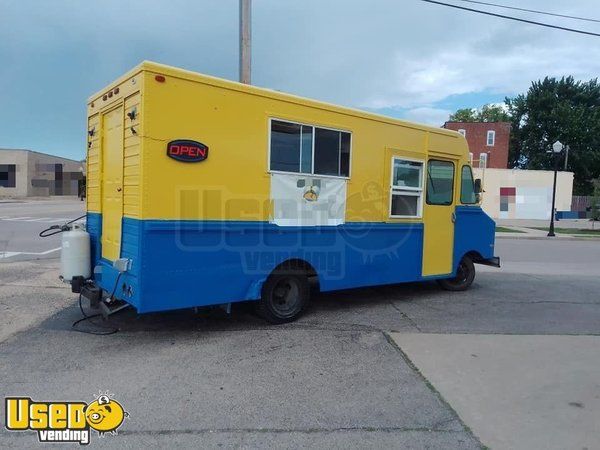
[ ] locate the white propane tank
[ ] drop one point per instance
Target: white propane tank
(75, 254)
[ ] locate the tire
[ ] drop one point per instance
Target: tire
(465, 274)
(284, 296)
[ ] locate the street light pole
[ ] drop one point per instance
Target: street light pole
(245, 40)
(557, 147)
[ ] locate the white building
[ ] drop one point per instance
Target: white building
(523, 194)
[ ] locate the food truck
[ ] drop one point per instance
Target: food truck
(203, 191)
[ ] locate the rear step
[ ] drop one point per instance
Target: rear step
(94, 294)
(107, 309)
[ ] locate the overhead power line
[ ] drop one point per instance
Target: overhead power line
(587, 19)
(502, 16)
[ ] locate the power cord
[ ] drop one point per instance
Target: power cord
(109, 330)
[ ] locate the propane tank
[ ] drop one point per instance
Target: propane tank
(75, 254)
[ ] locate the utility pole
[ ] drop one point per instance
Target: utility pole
(245, 40)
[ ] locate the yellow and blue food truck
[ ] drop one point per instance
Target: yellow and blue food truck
(203, 191)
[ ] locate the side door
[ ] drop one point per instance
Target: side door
(438, 215)
(112, 182)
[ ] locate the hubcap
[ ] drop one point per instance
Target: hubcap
(286, 296)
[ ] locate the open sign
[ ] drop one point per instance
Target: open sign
(187, 151)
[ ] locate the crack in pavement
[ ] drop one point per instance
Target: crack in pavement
(431, 387)
(289, 430)
(405, 316)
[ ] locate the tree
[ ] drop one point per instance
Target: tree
(557, 110)
(464, 115)
(551, 110)
(488, 113)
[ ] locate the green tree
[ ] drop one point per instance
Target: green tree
(464, 115)
(488, 113)
(493, 113)
(551, 110)
(558, 110)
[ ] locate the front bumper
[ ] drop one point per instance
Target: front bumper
(494, 261)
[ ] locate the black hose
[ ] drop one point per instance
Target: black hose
(58, 228)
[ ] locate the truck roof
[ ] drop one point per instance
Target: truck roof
(150, 66)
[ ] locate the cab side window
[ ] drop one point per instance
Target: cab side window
(467, 188)
(440, 182)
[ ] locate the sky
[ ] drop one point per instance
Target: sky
(402, 58)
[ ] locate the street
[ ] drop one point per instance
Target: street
(22, 221)
(401, 366)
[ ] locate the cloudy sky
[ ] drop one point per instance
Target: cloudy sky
(403, 58)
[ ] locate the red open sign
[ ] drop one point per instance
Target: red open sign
(187, 151)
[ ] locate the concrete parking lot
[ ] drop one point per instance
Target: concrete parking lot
(402, 366)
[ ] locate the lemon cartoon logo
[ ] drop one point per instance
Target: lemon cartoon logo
(105, 414)
(64, 421)
(311, 193)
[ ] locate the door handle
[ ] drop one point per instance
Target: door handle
(453, 217)
(119, 189)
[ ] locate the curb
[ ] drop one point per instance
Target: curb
(544, 238)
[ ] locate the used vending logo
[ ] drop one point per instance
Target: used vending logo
(65, 421)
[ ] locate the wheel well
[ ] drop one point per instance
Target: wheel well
(474, 255)
(299, 264)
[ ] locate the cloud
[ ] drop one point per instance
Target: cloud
(403, 57)
(427, 115)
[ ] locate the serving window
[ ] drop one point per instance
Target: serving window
(300, 148)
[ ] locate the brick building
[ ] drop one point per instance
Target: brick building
(488, 142)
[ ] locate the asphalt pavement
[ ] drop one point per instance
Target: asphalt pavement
(362, 369)
(22, 221)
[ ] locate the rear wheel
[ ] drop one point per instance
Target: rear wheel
(285, 294)
(465, 274)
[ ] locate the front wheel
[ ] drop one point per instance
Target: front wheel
(465, 274)
(285, 294)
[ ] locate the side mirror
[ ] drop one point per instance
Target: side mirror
(477, 186)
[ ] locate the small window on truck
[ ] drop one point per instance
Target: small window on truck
(406, 190)
(440, 182)
(300, 148)
(467, 187)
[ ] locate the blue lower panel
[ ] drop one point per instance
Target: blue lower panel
(180, 264)
(474, 231)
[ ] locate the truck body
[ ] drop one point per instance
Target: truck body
(199, 188)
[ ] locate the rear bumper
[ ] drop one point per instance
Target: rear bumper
(494, 261)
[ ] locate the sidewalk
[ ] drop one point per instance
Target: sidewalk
(579, 224)
(515, 391)
(578, 229)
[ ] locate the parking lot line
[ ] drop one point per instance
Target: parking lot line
(4, 255)
(38, 219)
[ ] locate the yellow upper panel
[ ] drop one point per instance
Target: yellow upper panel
(232, 119)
